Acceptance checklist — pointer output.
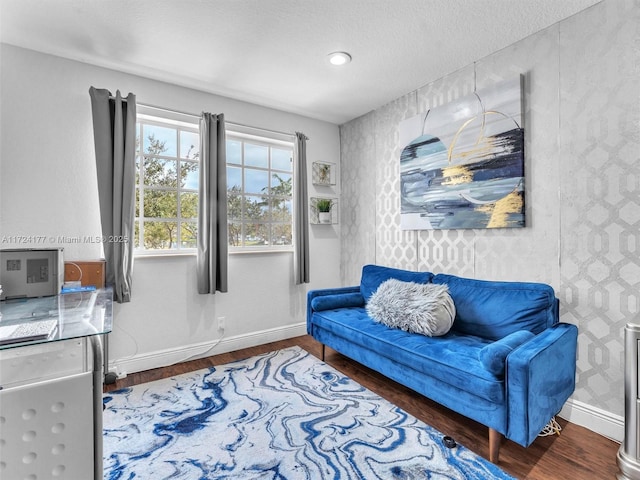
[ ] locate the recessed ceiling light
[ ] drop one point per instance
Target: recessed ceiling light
(339, 58)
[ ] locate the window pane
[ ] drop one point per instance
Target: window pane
(234, 204)
(188, 234)
(160, 235)
(167, 181)
(234, 152)
(282, 234)
(138, 160)
(256, 181)
(189, 175)
(256, 155)
(259, 193)
(160, 140)
(160, 173)
(136, 233)
(281, 159)
(255, 208)
(234, 177)
(281, 184)
(256, 234)
(281, 210)
(235, 233)
(189, 205)
(189, 145)
(160, 204)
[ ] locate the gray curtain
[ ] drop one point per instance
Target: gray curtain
(302, 212)
(114, 133)
(212, 213)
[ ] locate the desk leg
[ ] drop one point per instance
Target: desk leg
(109, 377)
(96, 346)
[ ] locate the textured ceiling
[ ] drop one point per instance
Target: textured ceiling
(274, 52)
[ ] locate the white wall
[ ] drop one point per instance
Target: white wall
(48, 189)
(582, 168)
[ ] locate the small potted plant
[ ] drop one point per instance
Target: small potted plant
(324, 209)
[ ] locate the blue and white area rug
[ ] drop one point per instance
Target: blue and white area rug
(281, 415)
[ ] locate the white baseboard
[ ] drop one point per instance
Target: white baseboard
(595, 419)
(163, 358)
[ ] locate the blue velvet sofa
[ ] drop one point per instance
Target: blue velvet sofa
(507, 362)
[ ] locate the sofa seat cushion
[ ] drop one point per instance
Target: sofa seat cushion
(451, 358)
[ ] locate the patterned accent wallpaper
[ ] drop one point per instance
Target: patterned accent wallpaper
(582, 168)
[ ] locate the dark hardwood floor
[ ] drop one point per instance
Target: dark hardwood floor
(576, 454)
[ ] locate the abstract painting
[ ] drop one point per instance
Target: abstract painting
(462, 164)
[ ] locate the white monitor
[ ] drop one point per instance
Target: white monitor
(26, 273)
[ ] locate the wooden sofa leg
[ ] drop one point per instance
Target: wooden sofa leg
(495, 439)
(322, 354)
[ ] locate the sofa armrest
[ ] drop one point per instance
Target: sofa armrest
(540, 377)
(326, 292)
(340, 300)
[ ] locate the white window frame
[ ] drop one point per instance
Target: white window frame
(180, 122)
(258, 136)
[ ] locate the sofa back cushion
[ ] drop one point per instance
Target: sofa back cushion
(374, 275)
(493, 310)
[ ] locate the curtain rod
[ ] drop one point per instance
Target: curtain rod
(234, 124)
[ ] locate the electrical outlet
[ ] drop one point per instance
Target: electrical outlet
(221, 323)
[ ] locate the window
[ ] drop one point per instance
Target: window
(166, 184)
(259, 192)
(259, 187)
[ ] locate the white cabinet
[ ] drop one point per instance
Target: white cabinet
(51, 389)
(46, 412)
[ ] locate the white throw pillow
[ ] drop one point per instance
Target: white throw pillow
(424, 308)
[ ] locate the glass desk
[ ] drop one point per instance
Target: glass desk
(51, 389)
